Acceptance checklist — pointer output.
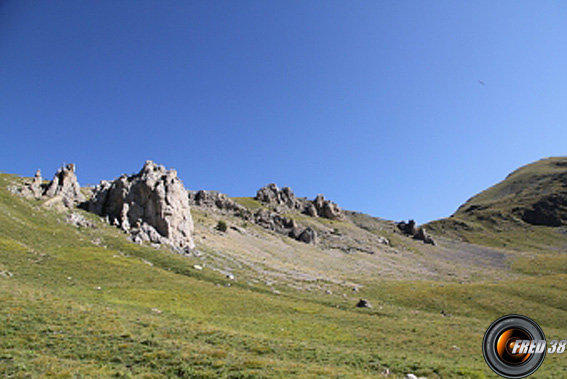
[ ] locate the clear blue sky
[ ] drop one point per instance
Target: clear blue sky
(376, 104)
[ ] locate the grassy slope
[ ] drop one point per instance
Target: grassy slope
(168, 319)
(495, 223)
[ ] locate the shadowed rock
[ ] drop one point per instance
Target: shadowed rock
(419, 233)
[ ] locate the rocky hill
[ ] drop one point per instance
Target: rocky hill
(527, 210)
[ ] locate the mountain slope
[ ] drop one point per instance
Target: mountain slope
(526, 211)
(87, 302)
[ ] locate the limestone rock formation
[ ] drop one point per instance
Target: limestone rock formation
(65, 184)
(33, 188)
(419, 233)
(326, 208)
(272, 195)
(217, 201)
(152, 206)
(285, 200)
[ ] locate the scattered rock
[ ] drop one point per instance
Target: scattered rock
(6, 274)
(363, 303)
(152, 206)
(148, 263)
(197, 267)
(79, 220)
(308, 236)
(157, 311)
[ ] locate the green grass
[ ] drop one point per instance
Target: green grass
(493, 217)
(85, 303)
(248, 202)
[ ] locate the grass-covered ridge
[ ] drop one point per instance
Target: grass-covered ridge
(494, 216)
(84, 302)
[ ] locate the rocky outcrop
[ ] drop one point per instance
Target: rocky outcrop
(419, 233)
(308, 235)
(32, 189)
(272, 195)
(549, 211)
(266, 218)
(64, 185)
(217, 201)
(284, 200)
(326, 208)
(152, 206)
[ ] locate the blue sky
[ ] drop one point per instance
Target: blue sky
(376, 104)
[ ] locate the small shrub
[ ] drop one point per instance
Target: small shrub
(221, 226)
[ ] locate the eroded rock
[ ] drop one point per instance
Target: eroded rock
(152, 206)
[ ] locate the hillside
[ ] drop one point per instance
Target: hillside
(526, 211)
(82, 299)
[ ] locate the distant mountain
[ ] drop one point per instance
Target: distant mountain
(532, 199)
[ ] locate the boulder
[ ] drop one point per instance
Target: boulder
(408, 228)
(419, 233)
(363, 303)
(308, 236)
(152, 206)
(422, 235)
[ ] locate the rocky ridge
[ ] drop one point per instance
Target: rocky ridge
(64, 184)
(265, 218)
(285, 200)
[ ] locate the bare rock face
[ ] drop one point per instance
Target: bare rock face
(65, 184)
(326, 208)
(272, 195)
(33, 188)
(285, 200)
(152, 206)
